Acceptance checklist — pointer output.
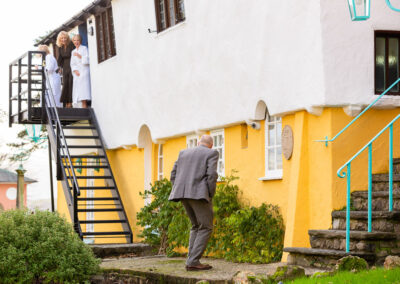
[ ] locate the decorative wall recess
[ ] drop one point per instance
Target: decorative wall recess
(287, 142)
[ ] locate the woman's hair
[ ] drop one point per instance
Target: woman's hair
(61, 34)
(44, 48)
(78, 36)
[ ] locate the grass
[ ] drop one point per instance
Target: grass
(376, 276)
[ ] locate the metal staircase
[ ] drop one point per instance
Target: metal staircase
(90, 190)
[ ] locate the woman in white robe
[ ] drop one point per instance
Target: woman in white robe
(81, 91)
(53, 82)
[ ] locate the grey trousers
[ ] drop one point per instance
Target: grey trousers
(200, 213)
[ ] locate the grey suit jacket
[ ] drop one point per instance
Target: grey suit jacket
(194, 175)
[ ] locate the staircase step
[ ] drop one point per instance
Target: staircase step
(385, 177)
(91, 177)
(88, 167)
(103, 221)
(79, 127)
(382, 221)
(83, 157)
(380, 200)
(96, 188)
(106, 233)
(101, 210)
(97, 198)
(82, 146)
(327, 258)
(81, 137)
(359, 240)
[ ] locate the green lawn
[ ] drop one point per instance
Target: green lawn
(376, 276)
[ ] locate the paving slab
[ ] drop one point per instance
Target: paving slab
(172, 270)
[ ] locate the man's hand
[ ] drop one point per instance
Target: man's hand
(77, 73)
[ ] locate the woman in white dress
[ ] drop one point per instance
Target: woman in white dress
(53, 81)
(81, 92)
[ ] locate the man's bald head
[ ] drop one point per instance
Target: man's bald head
(206, 140)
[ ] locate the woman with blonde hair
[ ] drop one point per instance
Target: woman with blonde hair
(53, 81)
(65, 48)
(81, 92)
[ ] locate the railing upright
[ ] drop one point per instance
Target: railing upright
(29, 83)
(10, 92)
(341, 173)
(19, 89)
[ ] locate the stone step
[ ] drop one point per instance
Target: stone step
(122, 250)
(380, 200)
(321, 258)
(360, 241)
(380, 182)
(382, 221)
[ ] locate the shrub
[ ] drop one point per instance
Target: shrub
(241, 233)
(163, 220)
(41, 246)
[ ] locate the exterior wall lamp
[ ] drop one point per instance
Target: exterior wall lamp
(360, 10)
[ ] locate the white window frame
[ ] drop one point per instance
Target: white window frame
(160, 174)
(213, 134)
(275, 173)
(190, 138)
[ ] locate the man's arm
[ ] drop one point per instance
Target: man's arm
(173, 173)
(211, 173)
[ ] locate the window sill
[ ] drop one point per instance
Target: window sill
(178, 25)
(271, 177)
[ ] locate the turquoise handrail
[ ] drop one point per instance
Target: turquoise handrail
(391, 6)
(347, 173)
(326, 140)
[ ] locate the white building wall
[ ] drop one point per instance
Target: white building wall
(349, 54)
(212, 69)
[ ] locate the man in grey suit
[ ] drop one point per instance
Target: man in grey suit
(194, 179)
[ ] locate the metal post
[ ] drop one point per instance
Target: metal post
(29, 85)
(51, 177)
(19, 89)
(370, 187)
(75, 196)
(348, 209)
(10, 91)
(58, 160)
(391, 168)
(20, 187)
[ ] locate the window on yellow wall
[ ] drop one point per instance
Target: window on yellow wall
(160, 162)
(219, 145)
(273, 147)
(191, 141)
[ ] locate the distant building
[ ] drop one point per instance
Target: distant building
(8, 189)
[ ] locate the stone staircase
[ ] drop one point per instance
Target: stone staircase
(327, 246)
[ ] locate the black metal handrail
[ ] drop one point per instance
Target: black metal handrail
(20, 81)
(52, 115)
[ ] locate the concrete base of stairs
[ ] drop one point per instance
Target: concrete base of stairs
(321, 258)
(161, 269)
(122, 250)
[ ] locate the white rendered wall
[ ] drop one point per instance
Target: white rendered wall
(211, 70)
(349, 54)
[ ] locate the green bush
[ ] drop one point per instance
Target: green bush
(241, 233)
(40, 247)
(162, 220)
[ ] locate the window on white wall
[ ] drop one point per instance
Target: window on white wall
(192, 141)
(219, 145)
(160, 162)
(273, 147)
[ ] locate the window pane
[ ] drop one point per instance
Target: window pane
(171, 12)
(181, 10)
(163, 22)
(271, 135)
(100, 40)
(112, 33)
(271, 159)
(380, 75)
(160, 165)
(393, 62)
(279, 158)
(278, 133)
(161, 149)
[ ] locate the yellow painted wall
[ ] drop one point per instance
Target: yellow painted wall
(309, 189)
